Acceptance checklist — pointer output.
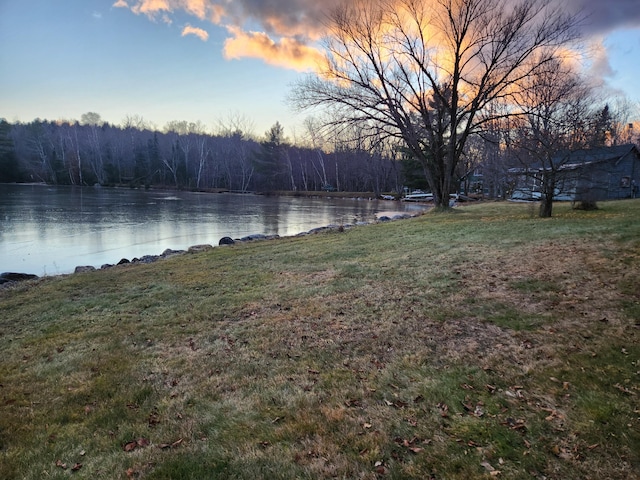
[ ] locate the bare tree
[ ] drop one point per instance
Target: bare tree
(622, 112)
(556, 115)
(425, 72)
(93, 122)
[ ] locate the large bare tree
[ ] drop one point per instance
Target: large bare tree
(556, 116)
(425, 71)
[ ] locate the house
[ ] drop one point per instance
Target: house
(604, 173)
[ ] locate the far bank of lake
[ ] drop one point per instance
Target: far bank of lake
(49, 230)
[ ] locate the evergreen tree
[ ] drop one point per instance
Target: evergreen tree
(9, 165)
(602, 127)
(269, 161)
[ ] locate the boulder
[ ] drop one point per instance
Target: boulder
(200, 248)
(84, 268)
(123, 261)
(148, 258)
(255, 236)
(169, 252)
(16, 277)
(226, 241)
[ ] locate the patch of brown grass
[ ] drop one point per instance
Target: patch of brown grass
(445, 345)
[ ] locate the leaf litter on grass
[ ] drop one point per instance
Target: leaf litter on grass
(486, 358)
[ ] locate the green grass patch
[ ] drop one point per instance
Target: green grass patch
(459, 345)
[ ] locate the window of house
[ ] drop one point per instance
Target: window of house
(625, 182)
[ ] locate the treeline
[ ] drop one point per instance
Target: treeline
(184, 156)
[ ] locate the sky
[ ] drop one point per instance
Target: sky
(211, 61)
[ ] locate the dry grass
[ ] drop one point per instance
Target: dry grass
(470, 345)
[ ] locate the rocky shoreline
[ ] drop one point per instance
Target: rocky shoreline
(11, 278)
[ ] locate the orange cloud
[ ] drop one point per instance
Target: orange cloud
(197, 8)
(198, 32)
(287, 53)
(288, 29)
(152, 7)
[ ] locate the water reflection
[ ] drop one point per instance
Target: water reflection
(50, 230)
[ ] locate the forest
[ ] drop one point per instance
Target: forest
(184, 156)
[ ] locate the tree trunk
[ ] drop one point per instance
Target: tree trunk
(546, 207)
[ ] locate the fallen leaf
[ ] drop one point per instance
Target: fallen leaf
(467, 406)
(154, 419)
(488, 466)
(130, 446)
(171, 445)
(133, 444)
(76, 467)
(624, 389)
(61, 465)
(143, 442)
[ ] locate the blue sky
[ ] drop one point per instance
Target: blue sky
(202, 60)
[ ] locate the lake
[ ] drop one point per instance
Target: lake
(49, 230)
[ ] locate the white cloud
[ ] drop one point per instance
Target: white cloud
(198, 32)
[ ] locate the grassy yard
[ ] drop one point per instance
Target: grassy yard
(477, 344)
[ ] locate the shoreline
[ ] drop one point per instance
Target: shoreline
(8, 279)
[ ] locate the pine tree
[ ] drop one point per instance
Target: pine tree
(9, 165)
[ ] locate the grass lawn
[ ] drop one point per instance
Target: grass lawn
(477, 344)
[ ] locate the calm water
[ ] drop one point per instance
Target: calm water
(49, 230)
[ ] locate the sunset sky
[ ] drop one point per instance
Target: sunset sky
(207, 60)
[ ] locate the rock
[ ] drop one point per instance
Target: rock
(123, 261)
(169, 252)
(317, 230)
(255, 236)
(166, 252)
(148, 258)
(84, 268)
(226, 241)
(384, 218)
(200, 248)
(7, 277)
(106, 265)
